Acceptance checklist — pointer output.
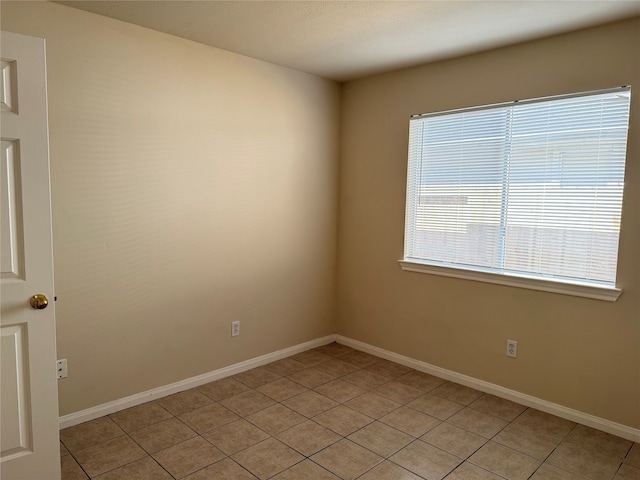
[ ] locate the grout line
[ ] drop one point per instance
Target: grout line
(76, 460)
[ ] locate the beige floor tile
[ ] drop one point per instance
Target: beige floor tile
(139, 417)
(310, 404)
(633, 457)
(373, 405)
(438, 407)
(188, 457)
(267, 458)
(162, 435)
(63, 450)
(221, 389)
(337, 367)
(381, 439)
(311, 357)
(282, 389)
(549, 472)
(144, 469)
(457, 393)
(420, 380)
(285, 367)
(596, 441)
(343, 420)
(207, 418)
(498, 407)
(478, 422)
(236, 436)
(335, 349)
(410, 421)
(70, 469)
(551, 426)
(225, 469)
(248, 402)
(89, 434)
(339, 390)
(306, 470)
(108, 455)
(469, 471)
(426, 460)
(255, 377)
(184, 401)
(530, 441)
(360, 359)
(308, 437)
(452, 439)
(311, 377)
(275, 419)
(590, 464)
(388, 369)
(505, 462)
(346, 459)
(398, 392)
(389, 471)
(366, 379)
(627, 472)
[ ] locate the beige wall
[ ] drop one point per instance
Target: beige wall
(581, 353)
(190, 187)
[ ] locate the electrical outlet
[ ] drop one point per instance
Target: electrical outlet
(235, 328)
(512, 348)
(61, 367)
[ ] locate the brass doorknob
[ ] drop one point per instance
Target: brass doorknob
(39, 301)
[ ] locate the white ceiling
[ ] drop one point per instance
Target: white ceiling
(343, 40)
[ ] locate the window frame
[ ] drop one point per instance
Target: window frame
(520, 279)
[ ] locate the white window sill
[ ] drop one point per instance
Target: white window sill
(579, 290)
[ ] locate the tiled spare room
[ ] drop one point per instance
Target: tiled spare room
(338, 413)
(320, 240)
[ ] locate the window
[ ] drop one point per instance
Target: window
(527, 193)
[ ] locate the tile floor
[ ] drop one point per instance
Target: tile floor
(338, 413)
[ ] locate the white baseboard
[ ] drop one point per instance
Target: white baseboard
(156, 393)
(620, 430)
(577, 416)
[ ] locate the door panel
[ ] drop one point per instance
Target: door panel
(15, 414)
(8, 94)
(12, 256)
(29, 437)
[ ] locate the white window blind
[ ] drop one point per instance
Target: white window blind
(529, 189)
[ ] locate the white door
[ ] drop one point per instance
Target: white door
(29, 440)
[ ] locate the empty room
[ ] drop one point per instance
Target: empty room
(323, 240)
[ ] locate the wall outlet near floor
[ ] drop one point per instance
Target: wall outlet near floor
(61, 367)
(235, 328)
(512, 348)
